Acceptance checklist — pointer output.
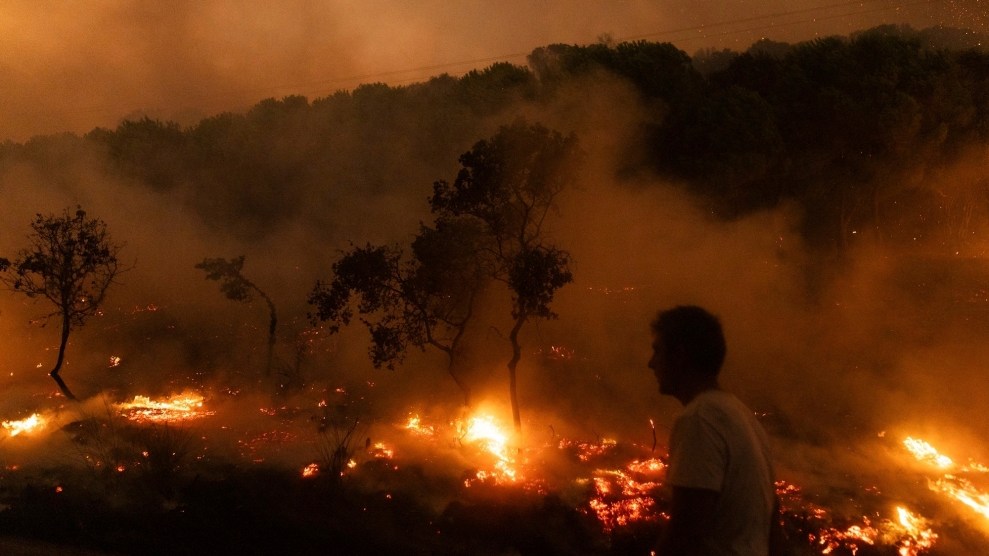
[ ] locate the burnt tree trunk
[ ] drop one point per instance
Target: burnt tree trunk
(512, 381)
(453, 372)
(272, 327)
(61, 358)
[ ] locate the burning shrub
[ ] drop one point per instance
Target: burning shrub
(340, 435)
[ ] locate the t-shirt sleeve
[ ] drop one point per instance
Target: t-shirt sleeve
(698, 455)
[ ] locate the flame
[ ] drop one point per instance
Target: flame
(310, 470)
(962, 490)
(951, 484)
(923, 451)
(414, 424)
(625, 496)
(482, 430)
(29, 424)
(918, 536)
(909, 534)
(186, 406)
(379, 450)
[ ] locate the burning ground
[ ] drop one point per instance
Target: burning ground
(156, 475)
(184, 444)
(202, 463)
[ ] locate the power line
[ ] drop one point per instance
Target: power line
(419, 73)
(515, 55)
(784, 14)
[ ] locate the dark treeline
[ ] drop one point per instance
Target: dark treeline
(862, 132)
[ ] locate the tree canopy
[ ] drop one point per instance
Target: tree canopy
(489, 227)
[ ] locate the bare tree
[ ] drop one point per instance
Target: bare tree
(71, 262)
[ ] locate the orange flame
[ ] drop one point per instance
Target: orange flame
(414, 424)
(310, 470)
(949, 484)
(186, 406)
(918, 537)
(923, 451)
(29, 424)
(483, 431)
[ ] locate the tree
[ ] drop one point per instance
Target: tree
(237, 287)
(71, 262)
(508, 185)
(489, 228)
(424, 299)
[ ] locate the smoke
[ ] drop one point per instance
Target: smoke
(832, 354)
(817, 357)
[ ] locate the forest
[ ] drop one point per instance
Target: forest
(829, 198)
(858, 131)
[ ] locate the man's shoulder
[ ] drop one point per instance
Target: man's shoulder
(719, 409)
(714, 400)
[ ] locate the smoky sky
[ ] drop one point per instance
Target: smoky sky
(73, 66)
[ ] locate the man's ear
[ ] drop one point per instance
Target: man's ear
(677, 353)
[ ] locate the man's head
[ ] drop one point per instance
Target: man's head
(688, 350)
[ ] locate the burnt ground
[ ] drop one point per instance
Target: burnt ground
(266, 510)
(177, 503)
(270, 511)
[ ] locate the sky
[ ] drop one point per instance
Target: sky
(73, 65)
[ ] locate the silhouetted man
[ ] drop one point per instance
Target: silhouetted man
(724, 501)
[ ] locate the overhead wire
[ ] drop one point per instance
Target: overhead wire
(667, 32)
(419, 73)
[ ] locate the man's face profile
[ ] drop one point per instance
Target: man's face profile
(660, 364)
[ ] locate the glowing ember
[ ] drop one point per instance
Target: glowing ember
(832, 539)
(181, 407)
(33, 423)
(310, 470)
(415, 425)
(652, 465)
(560, 353)
(379, 450)
(587, 450)
(909, 534)
(623, 497)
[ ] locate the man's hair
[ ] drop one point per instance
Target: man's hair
(697, 332)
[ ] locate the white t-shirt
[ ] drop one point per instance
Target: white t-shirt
(717, 444)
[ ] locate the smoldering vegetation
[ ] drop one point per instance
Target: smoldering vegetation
(827, 199)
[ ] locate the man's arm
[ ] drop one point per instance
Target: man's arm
(691, 521)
